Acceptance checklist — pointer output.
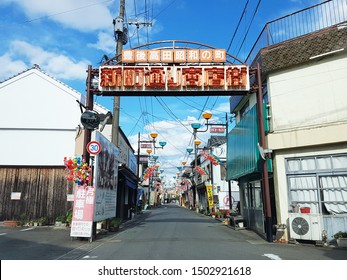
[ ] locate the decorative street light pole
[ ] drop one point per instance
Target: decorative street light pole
(207, 116)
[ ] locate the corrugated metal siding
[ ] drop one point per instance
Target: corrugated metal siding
(242, 150)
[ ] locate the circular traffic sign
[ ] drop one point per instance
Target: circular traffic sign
(93, 147)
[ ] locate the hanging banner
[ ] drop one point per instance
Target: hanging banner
(209, 191)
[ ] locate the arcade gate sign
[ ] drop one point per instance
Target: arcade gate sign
(173, 71)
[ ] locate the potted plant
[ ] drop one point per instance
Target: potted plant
(341, 238)
(68, 218)
(60, 220)
(42, 221)
(218, 214)
(114, 224)
(35, 222)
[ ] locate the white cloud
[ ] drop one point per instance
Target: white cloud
(81, 15)
(10, 67)
(105, 43)
(56, 64)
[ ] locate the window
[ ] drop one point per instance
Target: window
(319, 183)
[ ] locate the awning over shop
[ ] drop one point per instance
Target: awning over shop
(130, 184)
(128, 177)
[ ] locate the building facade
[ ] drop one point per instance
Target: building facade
(305, 105)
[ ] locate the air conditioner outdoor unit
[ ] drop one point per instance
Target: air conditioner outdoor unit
(306, 226)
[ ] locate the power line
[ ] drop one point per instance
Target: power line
(250, 24)
(68, 11)
(238, 25)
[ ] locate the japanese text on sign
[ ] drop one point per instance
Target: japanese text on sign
(141, 78)
(174, 56)
(83, 211)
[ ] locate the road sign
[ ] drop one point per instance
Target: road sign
(215, 129)
(93, 147)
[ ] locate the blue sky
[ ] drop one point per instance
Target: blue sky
(65, 36)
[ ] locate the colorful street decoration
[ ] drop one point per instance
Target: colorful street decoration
(148, 172)
(212, 158)
(78, 171)
(187, 182)
(200, 170)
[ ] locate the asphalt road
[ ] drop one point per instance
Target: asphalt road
(165, 233)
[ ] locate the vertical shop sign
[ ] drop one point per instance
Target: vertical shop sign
(83, 211)
(209, 191)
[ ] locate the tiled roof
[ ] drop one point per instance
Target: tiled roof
(302, 49)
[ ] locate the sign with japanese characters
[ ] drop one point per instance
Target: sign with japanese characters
(216, 129)
(83, 211)
(174, 56)
(209, 191)
(174, 78)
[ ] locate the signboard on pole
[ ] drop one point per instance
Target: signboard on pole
(93, 147)
(209, 191)
(83, 211)
(216, 129)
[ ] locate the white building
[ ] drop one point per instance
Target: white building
(40, 120)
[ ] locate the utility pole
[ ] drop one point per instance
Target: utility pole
(119, 34)
(262, 142)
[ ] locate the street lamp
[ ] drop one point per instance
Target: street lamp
(155, 157)
(207, 115)
(154, 136)
(150, 148)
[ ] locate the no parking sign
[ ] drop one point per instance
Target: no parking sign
(93, 147)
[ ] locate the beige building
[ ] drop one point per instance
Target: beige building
(305, 101)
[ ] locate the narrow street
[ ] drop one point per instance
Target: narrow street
(168, 232)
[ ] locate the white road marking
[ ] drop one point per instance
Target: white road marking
(26, 229)
(3, 233)
(89, 257)
(272, 257)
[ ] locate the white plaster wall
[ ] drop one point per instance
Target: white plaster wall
(34, 100)
(310, 95)
(38, 120)
(30, 147)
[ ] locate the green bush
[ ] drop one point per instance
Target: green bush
(114, 222)
(340, 234)
(61, 219)
(68, 216)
